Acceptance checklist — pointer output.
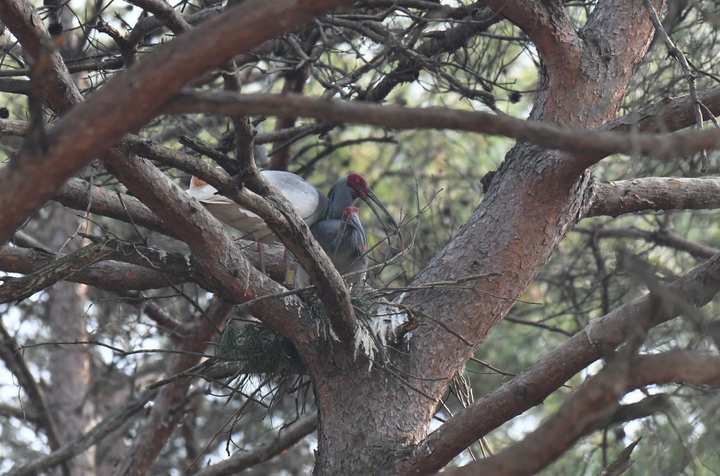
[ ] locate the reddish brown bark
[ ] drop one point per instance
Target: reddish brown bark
(97, 124)
(533, 199)
(370, 420)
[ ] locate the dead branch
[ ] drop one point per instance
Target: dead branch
(285, 439)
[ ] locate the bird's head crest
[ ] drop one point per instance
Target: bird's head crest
(358, 184)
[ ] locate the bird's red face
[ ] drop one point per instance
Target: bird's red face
(350, 211)
(358, 185)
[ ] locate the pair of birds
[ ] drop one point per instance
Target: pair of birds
(334, 220)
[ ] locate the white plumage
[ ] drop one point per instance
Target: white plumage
(308, 202)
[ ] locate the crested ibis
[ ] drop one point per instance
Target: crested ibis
(345, 242)
(312, 206)
(308, 202)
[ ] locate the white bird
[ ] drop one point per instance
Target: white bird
(308, 202)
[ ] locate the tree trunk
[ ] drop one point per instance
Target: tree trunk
(69, 365)
(370, 419)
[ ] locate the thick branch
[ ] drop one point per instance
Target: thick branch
(17, 289)
(219, 259)
(696, 368)
(110, 275)
(555, 368)
(80, 195)
(591, 145)
(282, 220)
(669, 115)
(89, 128)
(548, 25)
(589, 406)
(298, 238)
(654, 193)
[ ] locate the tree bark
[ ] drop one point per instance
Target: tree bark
(368, 419)
(69, 366)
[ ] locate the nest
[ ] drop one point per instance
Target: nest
(257, 350)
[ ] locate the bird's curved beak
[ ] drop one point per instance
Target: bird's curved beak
(372, 201)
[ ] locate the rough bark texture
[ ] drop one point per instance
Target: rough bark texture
(371, 419)
(367, 419)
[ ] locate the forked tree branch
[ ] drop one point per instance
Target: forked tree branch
(552, 370)
(69, 145)
(548, 25)
(219, 258)
(591, 405)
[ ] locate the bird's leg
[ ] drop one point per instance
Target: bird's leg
(261, 256)
(289, 271)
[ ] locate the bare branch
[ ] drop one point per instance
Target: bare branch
(654, 193)
(17, 289)
(555, 368)
(662, 238)
(591, 145)
(241, 461)
(81, 195)
(112, 276)
(14, 361)
(670, 115)
(168, 15)
(27, 185)
(677, 366)
(589, 406)
(166, 410)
